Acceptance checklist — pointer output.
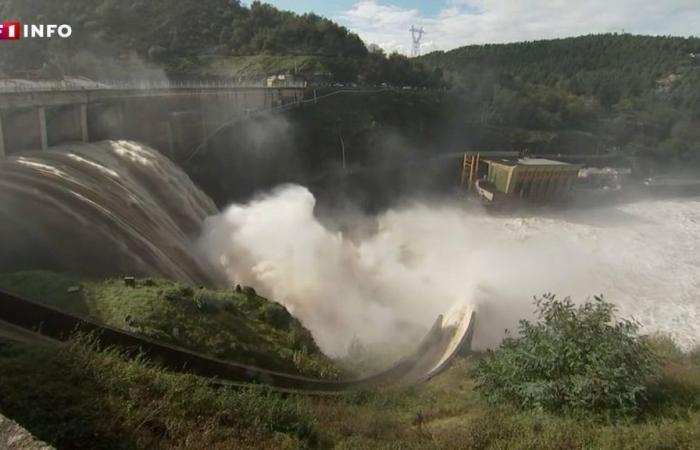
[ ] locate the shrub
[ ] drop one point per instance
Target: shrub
(694, 356)
(574, 358)
(666, 348)
(249, 292)
(179, 293)
(277, 316)
(204, 302)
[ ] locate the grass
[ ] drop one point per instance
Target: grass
(233, 324)
(81, 397)
(446, 413)
(77, 396)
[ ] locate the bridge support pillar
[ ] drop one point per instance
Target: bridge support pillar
(171, 140)
(42, 129)
(84, 134)
(2, 140)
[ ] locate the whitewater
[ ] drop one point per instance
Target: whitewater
(121, 208)
(418, 260)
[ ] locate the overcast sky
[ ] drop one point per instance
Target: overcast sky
(454, 23)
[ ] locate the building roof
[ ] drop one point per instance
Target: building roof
(541, 162)
(527, 162)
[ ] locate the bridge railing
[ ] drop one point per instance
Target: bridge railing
(20, 86)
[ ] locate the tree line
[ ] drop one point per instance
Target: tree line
(167, 37)
(636, 93)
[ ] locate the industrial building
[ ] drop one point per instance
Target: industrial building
(533, 179)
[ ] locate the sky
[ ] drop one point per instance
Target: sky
(454, 23)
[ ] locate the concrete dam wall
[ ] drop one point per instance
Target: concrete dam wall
(174, 120)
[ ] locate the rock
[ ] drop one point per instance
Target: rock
(14, 437)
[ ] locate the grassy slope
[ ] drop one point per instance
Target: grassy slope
(227, 324)
(77, 398)
(85, 398)
(446, 414)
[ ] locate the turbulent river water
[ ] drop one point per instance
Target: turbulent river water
(121, 208)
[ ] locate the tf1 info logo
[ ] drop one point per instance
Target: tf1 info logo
(14, 31)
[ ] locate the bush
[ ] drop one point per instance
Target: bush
(204, 302)
(573, 359)
(277, 316)
(178, 293)
(694, 356)
(666, 348)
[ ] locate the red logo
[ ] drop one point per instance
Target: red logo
(10, 31)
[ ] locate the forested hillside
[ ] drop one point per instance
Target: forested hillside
(178, 38)
(636, 93)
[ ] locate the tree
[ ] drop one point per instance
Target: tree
(573, 359)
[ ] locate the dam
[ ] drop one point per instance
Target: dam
(122, 206)
(173, 117)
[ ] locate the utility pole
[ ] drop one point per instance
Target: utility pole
(416, 35)
(342, 145)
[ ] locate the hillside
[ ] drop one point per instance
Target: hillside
(637, 93)
(234, 324)
(153, 39)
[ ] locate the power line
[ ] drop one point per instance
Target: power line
(416, 35)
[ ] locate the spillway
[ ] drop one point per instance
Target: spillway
(113, 207)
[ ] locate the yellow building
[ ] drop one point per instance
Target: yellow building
(526, 178)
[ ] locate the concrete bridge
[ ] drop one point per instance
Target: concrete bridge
(172, 117)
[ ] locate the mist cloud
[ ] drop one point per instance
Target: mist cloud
(389, 279)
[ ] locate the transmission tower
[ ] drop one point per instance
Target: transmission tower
(417, 35)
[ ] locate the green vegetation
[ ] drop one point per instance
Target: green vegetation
(233, 324)
(575, 359)
(81, 397)
(640, 94)
(447, 413)
(77, 397)
(147, 39)
(256, 66)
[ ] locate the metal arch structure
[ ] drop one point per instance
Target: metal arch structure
(450, 336)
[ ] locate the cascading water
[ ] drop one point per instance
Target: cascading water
(101, 209)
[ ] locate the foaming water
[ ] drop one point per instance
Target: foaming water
(418, 261)
(101, 209)
(122, 208)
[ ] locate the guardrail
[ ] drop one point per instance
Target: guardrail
(22, 86)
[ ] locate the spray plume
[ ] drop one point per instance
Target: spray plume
(419, 260)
